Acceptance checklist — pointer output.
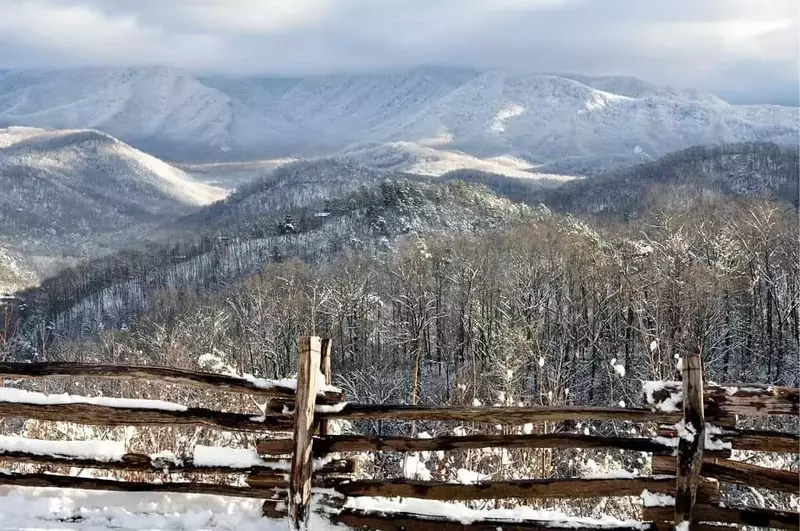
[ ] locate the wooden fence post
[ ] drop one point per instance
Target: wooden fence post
(691, 443)
(325, 363)
(305, 401)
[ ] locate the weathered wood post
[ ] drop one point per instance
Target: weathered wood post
(325, 362)
(691, 443)
(305, 401)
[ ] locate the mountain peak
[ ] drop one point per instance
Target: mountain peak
(565, 122)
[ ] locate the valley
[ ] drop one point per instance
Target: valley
(351, 265)
(464, 240)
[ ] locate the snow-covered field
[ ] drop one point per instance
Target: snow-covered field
(32, 509)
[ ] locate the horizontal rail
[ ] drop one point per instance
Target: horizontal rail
(696, 526)
(495, 415)
(183, 465)
(202, 380)
(789, 520)
(358, 443)
(69, 482)
(531, 488)
(737, 472)
(404, 521)
(747, 474)
(766, 441)
(100, 415)
(753, 400)
(738, 399)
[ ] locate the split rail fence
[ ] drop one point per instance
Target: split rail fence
(691, 455)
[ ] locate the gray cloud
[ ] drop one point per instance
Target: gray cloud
(744, 49)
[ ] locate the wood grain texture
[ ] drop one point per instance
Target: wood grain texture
(789, 520)
(497, 415)
(690, 450)
(96, 415)
(530, 488)
(70, 482)
(305, 401)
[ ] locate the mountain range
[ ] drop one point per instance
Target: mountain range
(545, 123)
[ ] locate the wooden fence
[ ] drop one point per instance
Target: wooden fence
(691, 455)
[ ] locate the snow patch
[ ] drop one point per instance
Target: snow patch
(670, 404)
(77, 510)
(656, 499)
(97, 450)
(469, 477)
(215, 456)
(20, 396)
(503, 115)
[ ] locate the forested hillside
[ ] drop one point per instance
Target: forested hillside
(308, 211)
(752, 169)
(440, 291)
(549, 311)
(671, 182)
(61, 182)
(75, 194)
(454, 292)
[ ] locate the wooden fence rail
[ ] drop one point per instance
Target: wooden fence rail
(740, 440)
(508, 416)
(102, 415)
(690, 457)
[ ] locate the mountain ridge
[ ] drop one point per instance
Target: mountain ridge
(751, 169)
(66, 191)
(564, 123)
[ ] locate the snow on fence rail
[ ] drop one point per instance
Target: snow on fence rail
(695, 441)
(697, 437)
(276, 389)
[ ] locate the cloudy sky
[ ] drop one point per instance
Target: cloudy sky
(745, 50)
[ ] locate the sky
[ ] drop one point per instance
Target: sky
(744, 50)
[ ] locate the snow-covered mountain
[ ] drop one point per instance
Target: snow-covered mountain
(556, 123)
(761, 170)
(421, 159)
(312, 211)
(64, 189)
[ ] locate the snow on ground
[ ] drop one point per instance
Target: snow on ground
(13, 275)
(231, 175)
(34, 509)
(465, 515)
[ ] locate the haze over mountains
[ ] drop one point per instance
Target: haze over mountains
(556, 124)
(444, 196)
(73, 191)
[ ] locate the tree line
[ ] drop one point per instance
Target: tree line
(550, 311)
